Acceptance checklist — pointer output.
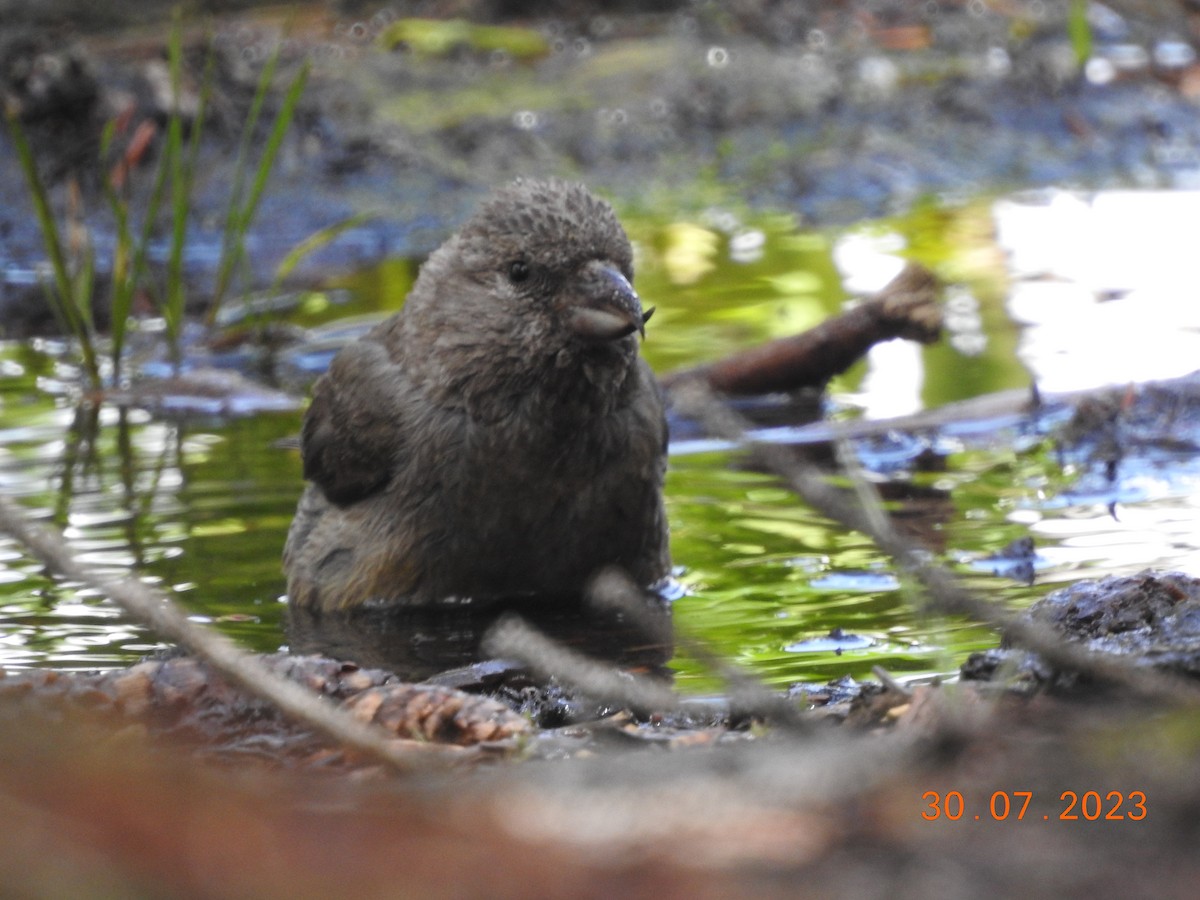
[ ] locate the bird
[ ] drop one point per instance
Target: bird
(500, 436)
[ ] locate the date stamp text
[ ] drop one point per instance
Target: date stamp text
(1001, 806)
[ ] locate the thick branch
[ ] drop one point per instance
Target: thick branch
(905, 308)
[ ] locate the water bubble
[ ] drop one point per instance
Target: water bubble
(717, 57)
(525, 119)
(970, 344)
(997, 61)
(964, 323)
(1099, 71)
(817, 39)
(616, 116)
(722, 220)
(878, 72)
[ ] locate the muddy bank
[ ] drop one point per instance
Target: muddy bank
(786, 818)
(835, 114)
(917, 792)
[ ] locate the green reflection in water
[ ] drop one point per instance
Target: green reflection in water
(197, 507)
(730, 285)
(202, 506)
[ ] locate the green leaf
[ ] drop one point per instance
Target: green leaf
(441, 37)
(1080, 31)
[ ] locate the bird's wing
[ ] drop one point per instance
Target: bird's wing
(353, 431)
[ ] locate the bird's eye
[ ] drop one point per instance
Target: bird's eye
(518, 271)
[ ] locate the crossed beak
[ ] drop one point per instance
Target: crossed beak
(606, 307)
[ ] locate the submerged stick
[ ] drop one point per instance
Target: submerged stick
(906, 308)
(159, 613)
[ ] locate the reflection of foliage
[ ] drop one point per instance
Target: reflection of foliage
(754, 553)
(729, 282)
(958, 244)
(201, 506)
(70, 295)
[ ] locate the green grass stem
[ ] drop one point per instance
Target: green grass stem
(242, 209)
(70, 294)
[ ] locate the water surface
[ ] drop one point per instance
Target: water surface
(1068, 290)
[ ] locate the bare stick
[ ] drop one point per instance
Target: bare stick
(613, 589)
(157, 611)
(514, 639)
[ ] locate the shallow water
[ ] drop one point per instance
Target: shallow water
(1071, 290)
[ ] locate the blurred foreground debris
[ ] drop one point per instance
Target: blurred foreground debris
(185, 699)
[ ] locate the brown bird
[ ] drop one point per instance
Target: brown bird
(500, 435)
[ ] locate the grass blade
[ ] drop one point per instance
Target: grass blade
(241, 216)
(123, 280)
(230, 236)
(67, 299)
(315, 241)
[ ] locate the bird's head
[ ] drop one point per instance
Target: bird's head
(543, 265)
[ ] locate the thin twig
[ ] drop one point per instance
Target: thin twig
(512, 638)
(159, 613)
(889, 681)
(749, 697)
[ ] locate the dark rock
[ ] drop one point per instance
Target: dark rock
(1153, 617)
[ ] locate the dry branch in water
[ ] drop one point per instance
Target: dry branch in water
(906, 308)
